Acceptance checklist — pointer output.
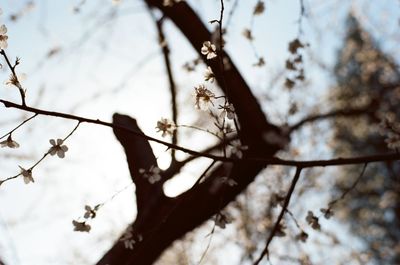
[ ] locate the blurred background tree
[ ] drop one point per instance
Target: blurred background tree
(368, 80)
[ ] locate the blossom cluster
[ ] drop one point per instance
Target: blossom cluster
(129, 239)
(3, 35)
(90, 213)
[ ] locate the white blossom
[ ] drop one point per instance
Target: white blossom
(81, 226)
(3, 37)
(222, 219)
(58, 148)
(393, 141)
(129, 239)
(229, 181)
(152, 175)
(313, 220)
(27, 175)
(248, 34)
(328, 212)
(228, 111)
(9, 143)
(237, 148)
(303, 236)
(209, 75)
(203, 97)
(165, 126)
(90, 212)
(209, 50)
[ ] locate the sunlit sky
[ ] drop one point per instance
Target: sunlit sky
(113, 64)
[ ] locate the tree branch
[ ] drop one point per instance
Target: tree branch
(171, 81)
(331, 114)
(281, 214)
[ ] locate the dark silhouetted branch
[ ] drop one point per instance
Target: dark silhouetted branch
(281, 214)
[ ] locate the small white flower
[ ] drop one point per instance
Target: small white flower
(9, 143)
(393, 141)
(278, 199)
(222, 219)
(237, 148)
(58, 148)
(165, 126)
(228, 111)
(3, 37)
(81, 226)
(15, 80)
(203, 97)
(313, 220)
(303, 236)
(128, 238)
(209, 75)
(260, 62)
(280, 231)
(90, 212)
(328, 212)
(152, 175)
(209, 49)
(228, 181)
(27, 175)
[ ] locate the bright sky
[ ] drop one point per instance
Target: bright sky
(116, 59)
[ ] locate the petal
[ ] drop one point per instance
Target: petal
(60, 153)
(3, 44)
(14, 144)
(26, 180)
(59, 141)
(52, 142)
(53, 150)
(3, 29)
(64, 148)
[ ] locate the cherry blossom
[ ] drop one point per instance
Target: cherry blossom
(27, 175)
(9, 143)
(165, 126)
(203, 97)
(81, 226)
(3, 37)
(209, 50)
(58, 148)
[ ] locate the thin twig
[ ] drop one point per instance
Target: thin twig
(14, 75)
(41, 159)
(352, 187)
(172, 85)
(22, 123)
(277, 223)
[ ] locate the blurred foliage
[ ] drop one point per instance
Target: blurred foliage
(369, 79)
